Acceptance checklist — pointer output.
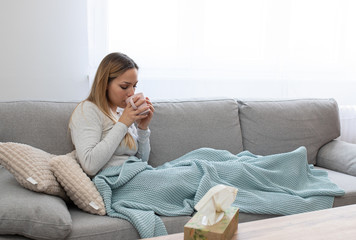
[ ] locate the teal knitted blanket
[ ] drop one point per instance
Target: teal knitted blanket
(275, 184)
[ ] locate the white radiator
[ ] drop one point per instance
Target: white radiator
(348, 123)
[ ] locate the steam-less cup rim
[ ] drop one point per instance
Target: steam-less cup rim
(130, 99)
(136, 94)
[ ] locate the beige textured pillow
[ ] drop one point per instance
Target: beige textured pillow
(78, 186)
(30, 167)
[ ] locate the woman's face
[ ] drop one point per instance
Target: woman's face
(121, 88)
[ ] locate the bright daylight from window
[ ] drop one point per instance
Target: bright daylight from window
(243, 49)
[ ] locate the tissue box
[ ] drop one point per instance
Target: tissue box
(222, 230)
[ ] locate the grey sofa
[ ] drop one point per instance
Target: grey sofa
(179, 126)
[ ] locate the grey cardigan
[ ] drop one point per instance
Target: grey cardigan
(97, 139)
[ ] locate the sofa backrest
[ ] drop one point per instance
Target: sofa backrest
(270, 127)
(184, 125)
(41, 124)
(177, 127)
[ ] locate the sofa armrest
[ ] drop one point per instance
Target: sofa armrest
(339, 156)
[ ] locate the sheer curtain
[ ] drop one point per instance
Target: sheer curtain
(246, 49)
(234, 48)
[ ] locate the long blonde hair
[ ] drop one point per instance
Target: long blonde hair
(112, 66)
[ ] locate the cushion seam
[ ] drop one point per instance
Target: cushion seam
(190, 101)
(26, 234)
(95, 234)
(31, 221)
(286, 100)
(344, 197)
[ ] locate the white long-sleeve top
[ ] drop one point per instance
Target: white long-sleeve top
(97, 139)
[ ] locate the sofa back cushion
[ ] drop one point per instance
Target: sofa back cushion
(270, 127)
(182, 126)
(41, 124)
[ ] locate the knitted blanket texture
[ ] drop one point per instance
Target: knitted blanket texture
(280, 184)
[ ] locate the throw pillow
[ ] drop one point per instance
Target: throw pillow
(78, 186)
(30, 166)
(31, 214)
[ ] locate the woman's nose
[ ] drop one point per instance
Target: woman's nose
(131, 92)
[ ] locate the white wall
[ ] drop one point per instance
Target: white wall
(43, 50)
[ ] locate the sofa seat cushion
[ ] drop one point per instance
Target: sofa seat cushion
(181, 126)
(87, 226)
(345, 182)
(270, 127)
(31, 214)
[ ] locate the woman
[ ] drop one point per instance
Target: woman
(102, 126)
(109, 146)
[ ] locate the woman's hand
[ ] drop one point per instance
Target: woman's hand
(144, 122)
(130, 115)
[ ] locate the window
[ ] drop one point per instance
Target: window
(241, 49)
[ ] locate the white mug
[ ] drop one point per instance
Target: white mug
(130, 100)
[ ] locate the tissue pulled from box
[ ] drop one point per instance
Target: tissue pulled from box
(215, 202)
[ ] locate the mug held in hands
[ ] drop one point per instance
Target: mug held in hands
(130, 100)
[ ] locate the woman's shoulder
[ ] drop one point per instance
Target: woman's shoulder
(87, 109)
(86, 104)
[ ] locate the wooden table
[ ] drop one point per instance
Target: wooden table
(334, 223)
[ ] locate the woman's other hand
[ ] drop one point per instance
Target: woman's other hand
(144, 122)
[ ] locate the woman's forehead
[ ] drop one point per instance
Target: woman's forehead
(128, 77)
